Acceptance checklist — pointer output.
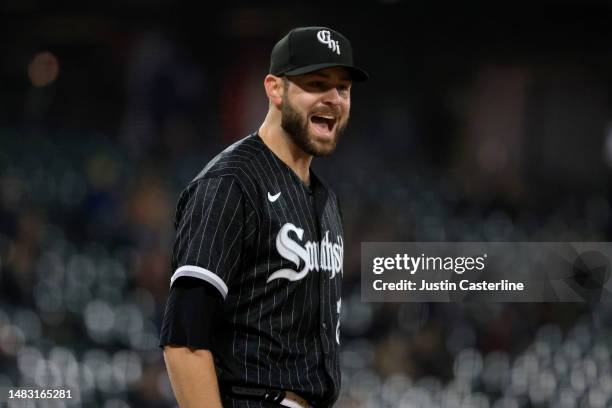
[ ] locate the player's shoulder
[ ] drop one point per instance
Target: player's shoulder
(234, 161)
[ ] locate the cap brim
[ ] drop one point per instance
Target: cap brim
(357, 74)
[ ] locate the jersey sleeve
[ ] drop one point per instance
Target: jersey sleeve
(209, 225)
(192, 311)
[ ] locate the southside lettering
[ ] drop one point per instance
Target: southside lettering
(314, 256)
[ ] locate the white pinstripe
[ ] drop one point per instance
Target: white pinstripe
(315, 281)
(246, 340)
(195, 195)
(210, 208)
(336, 286)
(183, 221)
(237, 234)
(308, 282)
(244, 274)
(266, 286)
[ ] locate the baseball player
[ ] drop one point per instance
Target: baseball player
(252, 318)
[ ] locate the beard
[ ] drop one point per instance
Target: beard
(296, 126)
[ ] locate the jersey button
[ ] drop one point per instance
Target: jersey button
(324, 325)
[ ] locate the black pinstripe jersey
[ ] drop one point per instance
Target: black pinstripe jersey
(273, 247)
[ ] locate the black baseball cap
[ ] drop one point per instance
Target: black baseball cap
(309, 49)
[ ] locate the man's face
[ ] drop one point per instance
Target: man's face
(315, 109)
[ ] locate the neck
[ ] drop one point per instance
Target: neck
(281, 144)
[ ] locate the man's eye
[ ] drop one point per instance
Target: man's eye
(316, 84)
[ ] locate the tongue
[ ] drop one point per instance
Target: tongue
(320, 123)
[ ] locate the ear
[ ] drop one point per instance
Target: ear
(274, 89)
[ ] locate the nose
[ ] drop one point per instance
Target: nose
(332, 96)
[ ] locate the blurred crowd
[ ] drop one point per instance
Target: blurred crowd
(101, 133)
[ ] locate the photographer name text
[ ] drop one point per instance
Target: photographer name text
(446, 285)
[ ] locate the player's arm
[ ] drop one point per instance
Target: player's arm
(187, 337)
(210, 222)
(193, 377)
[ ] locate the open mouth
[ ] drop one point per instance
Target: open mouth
(323, 123)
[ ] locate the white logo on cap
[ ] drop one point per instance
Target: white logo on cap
(324, 37)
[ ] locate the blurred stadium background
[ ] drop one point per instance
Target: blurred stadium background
(479, 123)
